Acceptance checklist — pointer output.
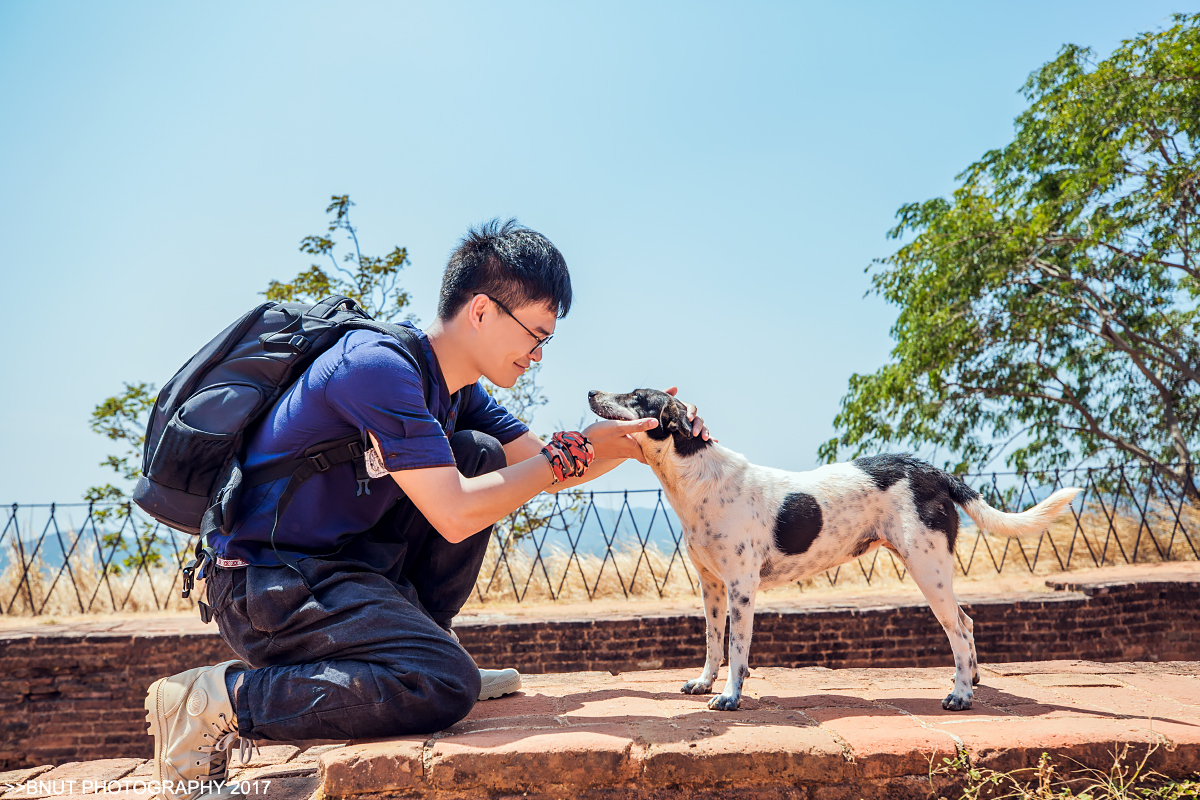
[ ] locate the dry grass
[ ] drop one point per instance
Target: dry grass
(629, 574)
(85, 589)
(559, 576)
(997, 562)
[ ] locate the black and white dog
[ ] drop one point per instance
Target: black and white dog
(749, 528)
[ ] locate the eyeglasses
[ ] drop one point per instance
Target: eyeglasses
(541, 342)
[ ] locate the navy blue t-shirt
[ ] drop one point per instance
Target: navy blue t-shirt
(366, 381)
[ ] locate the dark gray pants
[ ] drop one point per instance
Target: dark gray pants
(367, 652)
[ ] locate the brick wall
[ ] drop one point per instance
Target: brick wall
(69, 698)
(1146, 622)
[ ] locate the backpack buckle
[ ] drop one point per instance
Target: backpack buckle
(195, 569)
(299, 344)
(319, 461)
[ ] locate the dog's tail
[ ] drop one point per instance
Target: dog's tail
(1033, 520)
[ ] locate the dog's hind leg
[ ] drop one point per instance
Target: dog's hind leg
(741, 627)
(969, 625)
(933, 573)
(712, 589)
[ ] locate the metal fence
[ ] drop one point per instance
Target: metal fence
(79, 558)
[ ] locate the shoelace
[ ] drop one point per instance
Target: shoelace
(218, 752)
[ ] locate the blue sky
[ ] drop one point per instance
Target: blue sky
(717, 176)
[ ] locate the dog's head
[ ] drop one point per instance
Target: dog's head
(671, 414)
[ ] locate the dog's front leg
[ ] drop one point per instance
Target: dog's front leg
(713, 591)
(741, 626)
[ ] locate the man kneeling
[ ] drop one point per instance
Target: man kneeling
(340, 608)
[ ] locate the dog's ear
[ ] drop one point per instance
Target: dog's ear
(673, 417)
(665, 415)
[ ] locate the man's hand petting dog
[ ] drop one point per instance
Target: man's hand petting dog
(698, 426)
(623, 445)
(610, 437)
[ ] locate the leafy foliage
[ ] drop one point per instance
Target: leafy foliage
(1125, 779)
(122, 418)
(1051, 302)
(370, 280)
(373, 281)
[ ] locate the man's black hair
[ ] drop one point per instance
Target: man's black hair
(507, 262)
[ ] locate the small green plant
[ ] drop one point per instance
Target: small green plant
(131, 545)
(1124, 780)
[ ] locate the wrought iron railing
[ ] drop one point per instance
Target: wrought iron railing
(79, 558)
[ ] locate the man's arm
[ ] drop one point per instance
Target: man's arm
(458, 507)
(527, 446)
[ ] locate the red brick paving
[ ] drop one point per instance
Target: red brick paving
(801, 733)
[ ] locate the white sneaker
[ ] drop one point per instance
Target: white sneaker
(498, 682)
(194, 726)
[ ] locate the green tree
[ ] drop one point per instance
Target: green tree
(373, 281)
(370, 280)
(122, 418)
(1051, 302)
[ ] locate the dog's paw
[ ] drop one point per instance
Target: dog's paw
(975, 679)
(955, 703)
(724, 703)
(696, 686)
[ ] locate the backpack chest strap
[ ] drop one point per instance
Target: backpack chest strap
(317, 458)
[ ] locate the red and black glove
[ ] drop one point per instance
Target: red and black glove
(570, 454)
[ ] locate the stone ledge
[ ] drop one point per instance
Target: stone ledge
(801, 734)
(74, 692)
(807, 732)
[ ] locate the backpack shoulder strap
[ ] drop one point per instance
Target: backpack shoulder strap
(412, 343)
(320, 457)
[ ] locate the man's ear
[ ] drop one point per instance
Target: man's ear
(475, 308)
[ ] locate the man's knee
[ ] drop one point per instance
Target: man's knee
(477, 453)
(448, 693)
(462, 691)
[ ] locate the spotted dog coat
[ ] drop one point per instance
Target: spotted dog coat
(749, 527)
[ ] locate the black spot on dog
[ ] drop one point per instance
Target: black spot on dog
(672, 420)
(797, 523)
(767, 569)
(737, 551)
(743, 600)
(934, 492)
(885, 470)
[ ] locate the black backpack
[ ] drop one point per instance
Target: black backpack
(191, 465)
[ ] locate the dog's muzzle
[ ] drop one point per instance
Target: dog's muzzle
(605, 404)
